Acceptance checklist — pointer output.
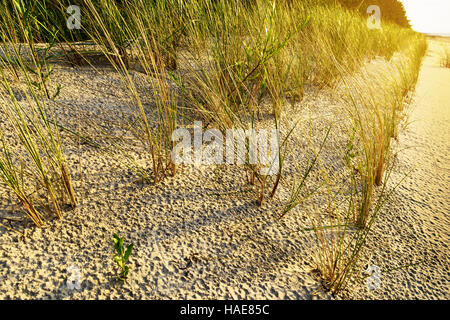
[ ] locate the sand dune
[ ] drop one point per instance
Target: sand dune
(199, 235)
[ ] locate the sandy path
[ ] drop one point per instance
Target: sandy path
(427, 140)
(427, 148)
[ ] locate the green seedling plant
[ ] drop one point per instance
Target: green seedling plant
(121, 257)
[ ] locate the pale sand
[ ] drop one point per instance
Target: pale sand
(238, 251)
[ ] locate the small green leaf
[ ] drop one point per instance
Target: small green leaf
(117, 259)
(116, 241)
(128, 252)
(121, 246)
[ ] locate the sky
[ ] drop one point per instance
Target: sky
(429, 16)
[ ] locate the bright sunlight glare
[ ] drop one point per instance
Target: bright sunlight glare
(431, 16)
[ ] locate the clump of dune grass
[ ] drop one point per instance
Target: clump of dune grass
(375, 102)
(375, 98)
(343, 215)
(340, 242)
(234, 50)
(37, 158)
(123, 32)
